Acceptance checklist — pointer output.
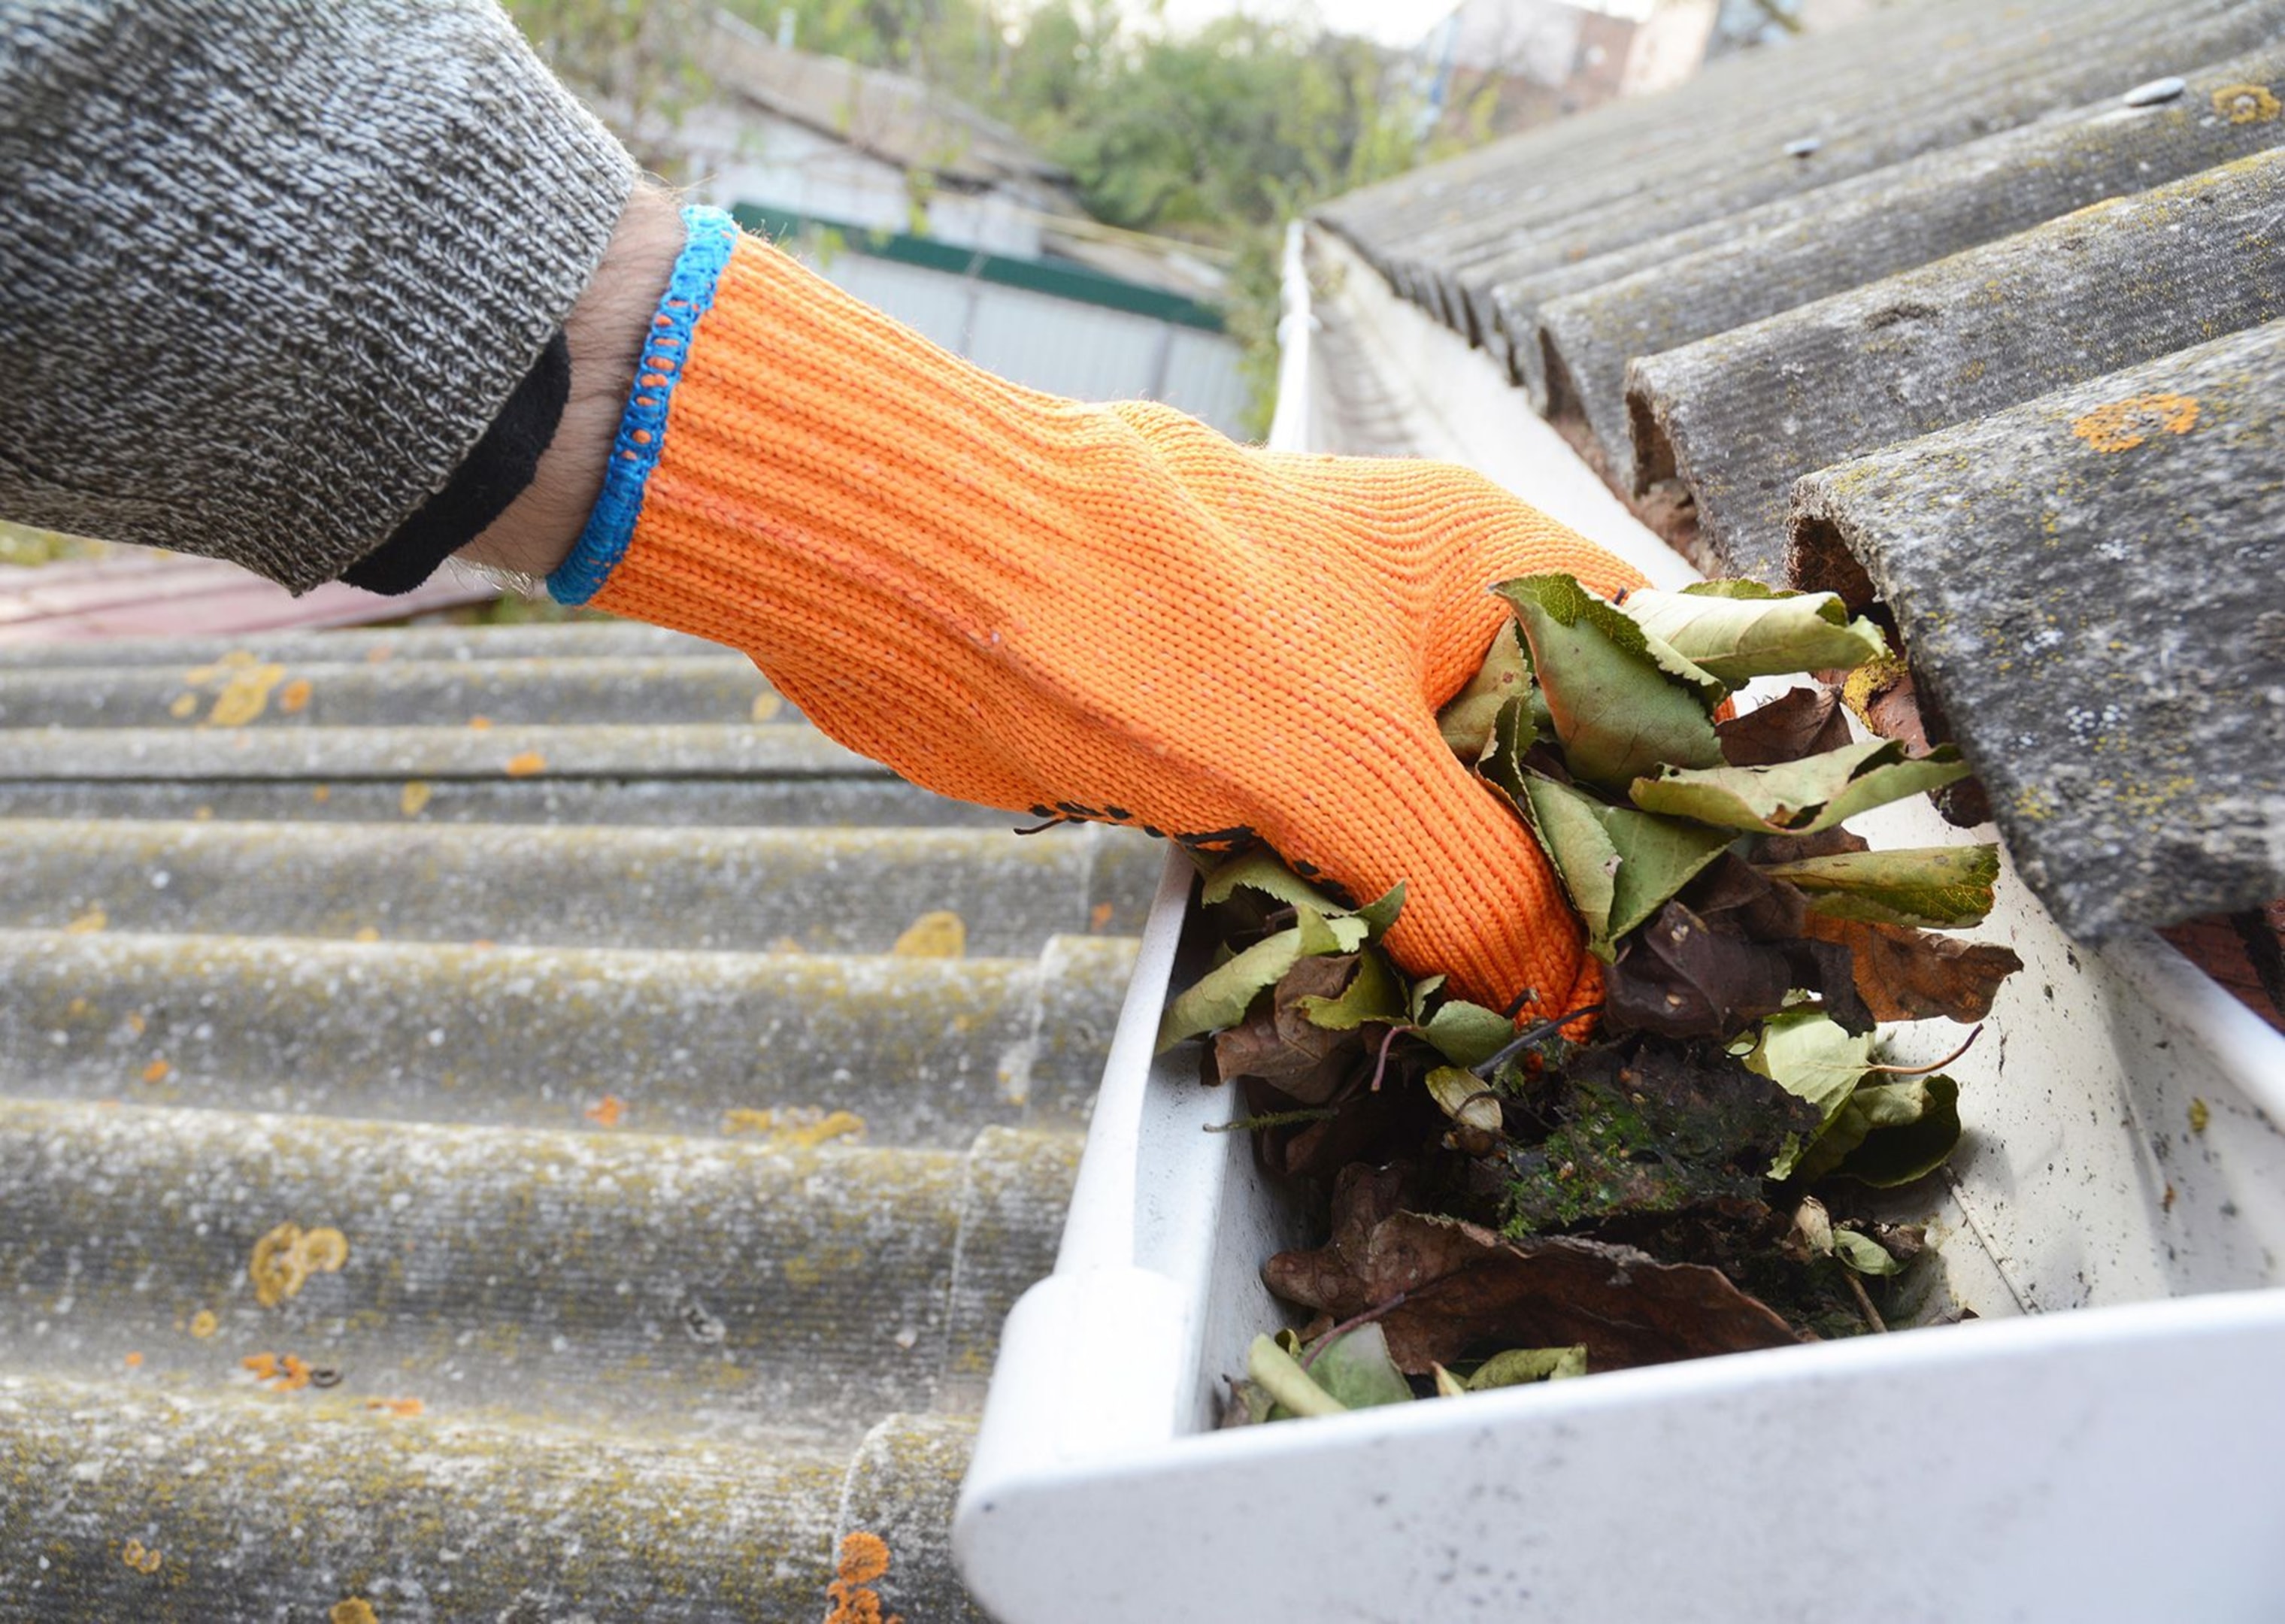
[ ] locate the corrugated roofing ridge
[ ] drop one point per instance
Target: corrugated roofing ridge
(1574, 328)
(448, 1228)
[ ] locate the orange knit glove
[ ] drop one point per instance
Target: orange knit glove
(1090, 612)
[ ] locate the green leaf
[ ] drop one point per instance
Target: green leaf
(1521, 1365)
(1806, 1053)
(1938, 888)
(1259, 870)
(1461, 1096)
(1219, 998)
(1570, 830)
(1280, 1375)
(1356, 1370)
(1736, 631)
(1505, 675)
(1373, 994)
(1890, 1133)
(1622, 703)
(1863, 1253)
(1799, 797)
(1468, 1035)
(1514, 732)
(1381, 912)
(1416, 1002)
(1618, 866)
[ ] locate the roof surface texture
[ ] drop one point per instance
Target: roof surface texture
(470, 1144)
(1973, 308)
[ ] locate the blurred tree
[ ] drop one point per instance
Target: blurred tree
(637, 63)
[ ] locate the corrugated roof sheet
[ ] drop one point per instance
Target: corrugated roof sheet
(1949, 296)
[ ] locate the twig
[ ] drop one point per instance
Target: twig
(1490, 1068)
(1381, 1065)
(1932, 1065)
(1356, 1322)
(1864, 1301)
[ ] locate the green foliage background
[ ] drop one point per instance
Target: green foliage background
(1217, 136)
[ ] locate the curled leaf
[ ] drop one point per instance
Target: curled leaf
(1863, 1253)
(1467, 1034)
(1461, 1096)
(1519, 1366)
(1912, 976)
(1617, 866)
(1466, 720)
(1889, 1133)
(1622, 701)
(1735, 631)
(1222, 996)
(1280, 1375)
(1799, 797)
(1257, 869)
(1808, 1055)
(1373, 994)
(1356, 1369)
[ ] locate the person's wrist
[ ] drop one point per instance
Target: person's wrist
(605, 334)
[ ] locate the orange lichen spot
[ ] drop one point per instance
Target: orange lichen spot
(134, 1362)
(2122, 425)
(864, 1560)
(278, 1372)
(523, 764)
(143, 1560)
(204, 1324)
(1098, 917)
(403, 1408)
(246, 696)
(355, 1610)
(157, 1070)
(939, 935)
(414, 796)
(294, 695)
(321, 793)
(87, 924)
(2245, 104)
(480, 723)
(134, 1022)
(607, 1111)
(483, 942)
(766, 706)
(184, 705)
(263, 1365)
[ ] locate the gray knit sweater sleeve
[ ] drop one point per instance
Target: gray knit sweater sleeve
(269, 268)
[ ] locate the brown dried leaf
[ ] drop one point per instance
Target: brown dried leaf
(1467, 1289)
(1917, 975)
(1279, 1043)
(1803, 722)
(1680, 976)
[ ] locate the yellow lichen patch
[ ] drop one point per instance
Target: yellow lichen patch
(92, 921)
(2201, 1114)
(321, 793)
(786, 944)
(2245, 104)
(523, 764)
(414, 796)
(606, 1111)
(795, 1128)
(480, 723)
(354, 1609)
(940, 935)
(403, 1408)
(203, 1324)
(245, 696)
(142, 1560)
(2122, 425)
(367, 933)
(766, 706)
(864, 1560)
(294, 696)
(203, 814)
(157, 1070)
(285, 1258)
(184, 705)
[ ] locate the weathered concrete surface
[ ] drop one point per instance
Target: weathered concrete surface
(1740, 416)
(1017, 1186)
(397, 693)
(902, 1487)
(283, 1506)
(2090, 586)
(926, 1049)
(815, 891)
(1581, 324)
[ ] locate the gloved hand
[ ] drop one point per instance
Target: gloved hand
(1093, 612)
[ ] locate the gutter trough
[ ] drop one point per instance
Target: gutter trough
(2091, 1425)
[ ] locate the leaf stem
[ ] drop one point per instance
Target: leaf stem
(1489, 1068)
(1932, 1065)
(1864, 1301)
